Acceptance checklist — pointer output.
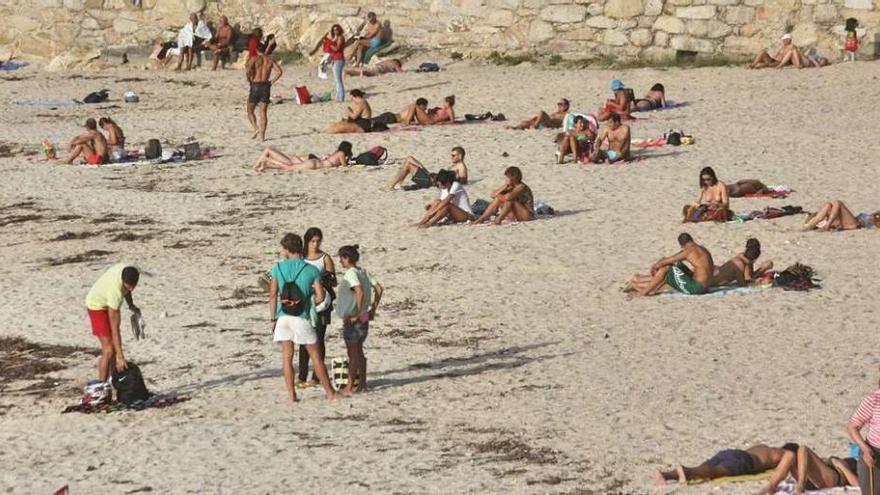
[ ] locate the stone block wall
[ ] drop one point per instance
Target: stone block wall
(651, 29)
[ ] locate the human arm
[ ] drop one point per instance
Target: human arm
(748, 273)
(514, 192)
(500, 190)
(669, 260)
(852, 479)
(780, 473)
(249, 69)
(854, 430)
(278, 72)
(330, 270)
(600, 138)
(273, 303)
(113, 314)
(359, 297)
(130, 302)
(320, 293)
(378, 290)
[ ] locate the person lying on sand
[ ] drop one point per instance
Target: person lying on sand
(578, 142)
(423, 178)
(740, 269)
(91, 145)
(654, 100)
(412, 114)
(383, 67)
(620, 105)
(746, 187)
(115, 138)
(813, 473)
(544, 120)
(788, 54)
(671, 272)
(358, 117)
(453, 204)
(513, 201)
(735, 462)
(444, 114)
(271, 158)
(619, 141)
(835, 215)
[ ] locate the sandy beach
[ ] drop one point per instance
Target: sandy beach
(502, 360)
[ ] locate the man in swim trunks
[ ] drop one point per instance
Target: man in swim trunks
(619, 141)
(91, 144)
(787, 54)
(373, 38)
(258, 70)
(734, 462)
(422, 178)
(672, 272)
(222, 40)
(543, 120)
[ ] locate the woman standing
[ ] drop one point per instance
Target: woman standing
(336, 48)
(324, 263)
(868, 413)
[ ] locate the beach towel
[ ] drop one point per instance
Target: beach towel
(768, 213)
(186, 37)
(711, 213)
(11, 66)
(732, 479)
(670, 105)
(718, 291)
(154, 402)
(648, 143)
(773, 192)
(788, 486)
(46, 103)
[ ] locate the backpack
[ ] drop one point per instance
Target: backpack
(153, 149)
(303, 97)
(96, 97)
(292, 299)
(673, 138)
(129, 385)
(374, 156)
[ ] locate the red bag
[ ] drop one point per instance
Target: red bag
(328, 45)
(303, 97)
(379, 152)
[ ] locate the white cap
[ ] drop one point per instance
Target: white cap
(786, 36)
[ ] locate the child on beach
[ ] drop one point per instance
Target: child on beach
(356, 315)
(851, 40)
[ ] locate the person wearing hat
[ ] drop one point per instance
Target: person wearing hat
(787, 54)
(620, 105)
(546, 120)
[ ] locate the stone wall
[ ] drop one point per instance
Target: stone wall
(75, 29)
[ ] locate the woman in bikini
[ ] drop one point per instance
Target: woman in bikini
(274, 159)
(835, 215)
(513, 200)
(578, 141)
(654, 100)
(814, 473)
(712, 201)
(115, 138)
(358, 116)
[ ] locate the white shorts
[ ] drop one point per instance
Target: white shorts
(294, 328)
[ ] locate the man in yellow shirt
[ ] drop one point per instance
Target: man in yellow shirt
(103, 302)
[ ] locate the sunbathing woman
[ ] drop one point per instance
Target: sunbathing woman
(274, 159)
(654, 100)
(357, 118)
(745, 187)
(837, 216)
(740, 270)
(712, 202)
(453, 203)
(420, 175)
(513, 200)
(578, 141)
(815, 473)
(383, 67)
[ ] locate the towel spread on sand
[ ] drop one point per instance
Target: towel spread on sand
(154, 402)
(46, 103)
(768, 213)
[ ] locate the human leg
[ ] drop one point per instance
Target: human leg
(287, 350)
(252, 118)
(490, 210)
(337, 76)
(521, 212)
(343, 127)
(408, 167)
(653, 284)
(74, 152)
(264, 119)
(812, 470)
(820, 215)
(321, 371)
(844, 218)
(505, 211)
(302, 371)
(107, 358)
(565, 145)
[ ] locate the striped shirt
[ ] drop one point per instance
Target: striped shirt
(868, 413)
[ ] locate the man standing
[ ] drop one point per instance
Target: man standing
(91, 144)
(672, 272)
(103, 302)
(220, 45)
(258, 71)
(619, 142)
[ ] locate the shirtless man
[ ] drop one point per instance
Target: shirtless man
(115, 138)
(672, 272)
(383, 67)
(734, 462)
(220, 45)
(373, 38)
(91, 144)
(258, 71)
(619, 141)
(544, 120)
(787, 54)
(740, 270)
(358, 117)
(423, 178)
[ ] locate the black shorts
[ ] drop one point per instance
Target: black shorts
(365, 124)
(260, 92)
(735, 462)
(422, 178)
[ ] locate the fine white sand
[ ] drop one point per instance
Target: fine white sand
(503, 359)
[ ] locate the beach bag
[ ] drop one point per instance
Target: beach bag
(303, 96)
(129, 385)
(374, 156)
(428, 67)
(153, 149)
(96, 97)
(292, 299)
(339, 368)
(192, 151)
(796, 277)
(673, 138)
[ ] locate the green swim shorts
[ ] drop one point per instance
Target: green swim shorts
(680, 278)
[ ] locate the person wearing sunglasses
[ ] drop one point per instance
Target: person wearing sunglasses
(422, 178)
(544, 120)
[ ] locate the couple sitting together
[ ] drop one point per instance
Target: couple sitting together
(671, 272)
(713, 197)
(93, 147)
(587, 147)
(359, 117)
(512, 201)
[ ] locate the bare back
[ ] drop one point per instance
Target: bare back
(766, 458)
(701, 260)
(259, 68)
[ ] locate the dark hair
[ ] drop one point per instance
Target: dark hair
(371, 15)
(397, 61)
(131, 275)
(293, 243)
(450, 100)
(258, 33)
(514, 173)
(851, 24)
(356, 93)
(684, 238)
(445, 177)
(580, 118)
(105, 120)
(658, 87)
(91, 124)
(310, 234)
(336, 26)
(753, 249)
(614, 118)
(791, 447)
(350, 252)
(345, 147)
(711, 173)
(421, 102)
(460, 151)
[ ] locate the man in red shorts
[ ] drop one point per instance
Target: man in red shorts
(103, 302)
(91, 145)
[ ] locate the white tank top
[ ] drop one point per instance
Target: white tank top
(317, 263)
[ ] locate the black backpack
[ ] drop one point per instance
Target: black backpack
(129, 385)
(292, 299)
(374, 156)
(96, 97)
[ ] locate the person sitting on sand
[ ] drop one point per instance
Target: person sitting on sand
(621, 105)
(373, 38)
(358, 117)
(453, 204)
(219, 46)
(513, 201)
(740, 270)
(734, 462)
(654, 100)
(672, 272)
(383, 67)
(115, 138)
(835, 215)
(271, 158)
(712, 202)
(423, 178)
(544, 120)
(578, 142)
(788, 54)
(91, 144)
(619, 141)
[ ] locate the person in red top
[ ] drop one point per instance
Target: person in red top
(255, 41)
(335, 45)
(868, 413)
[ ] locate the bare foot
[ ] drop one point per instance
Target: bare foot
(345, 392)
(256, 133)
(682, 479)
(332, 396)
(293, 398)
